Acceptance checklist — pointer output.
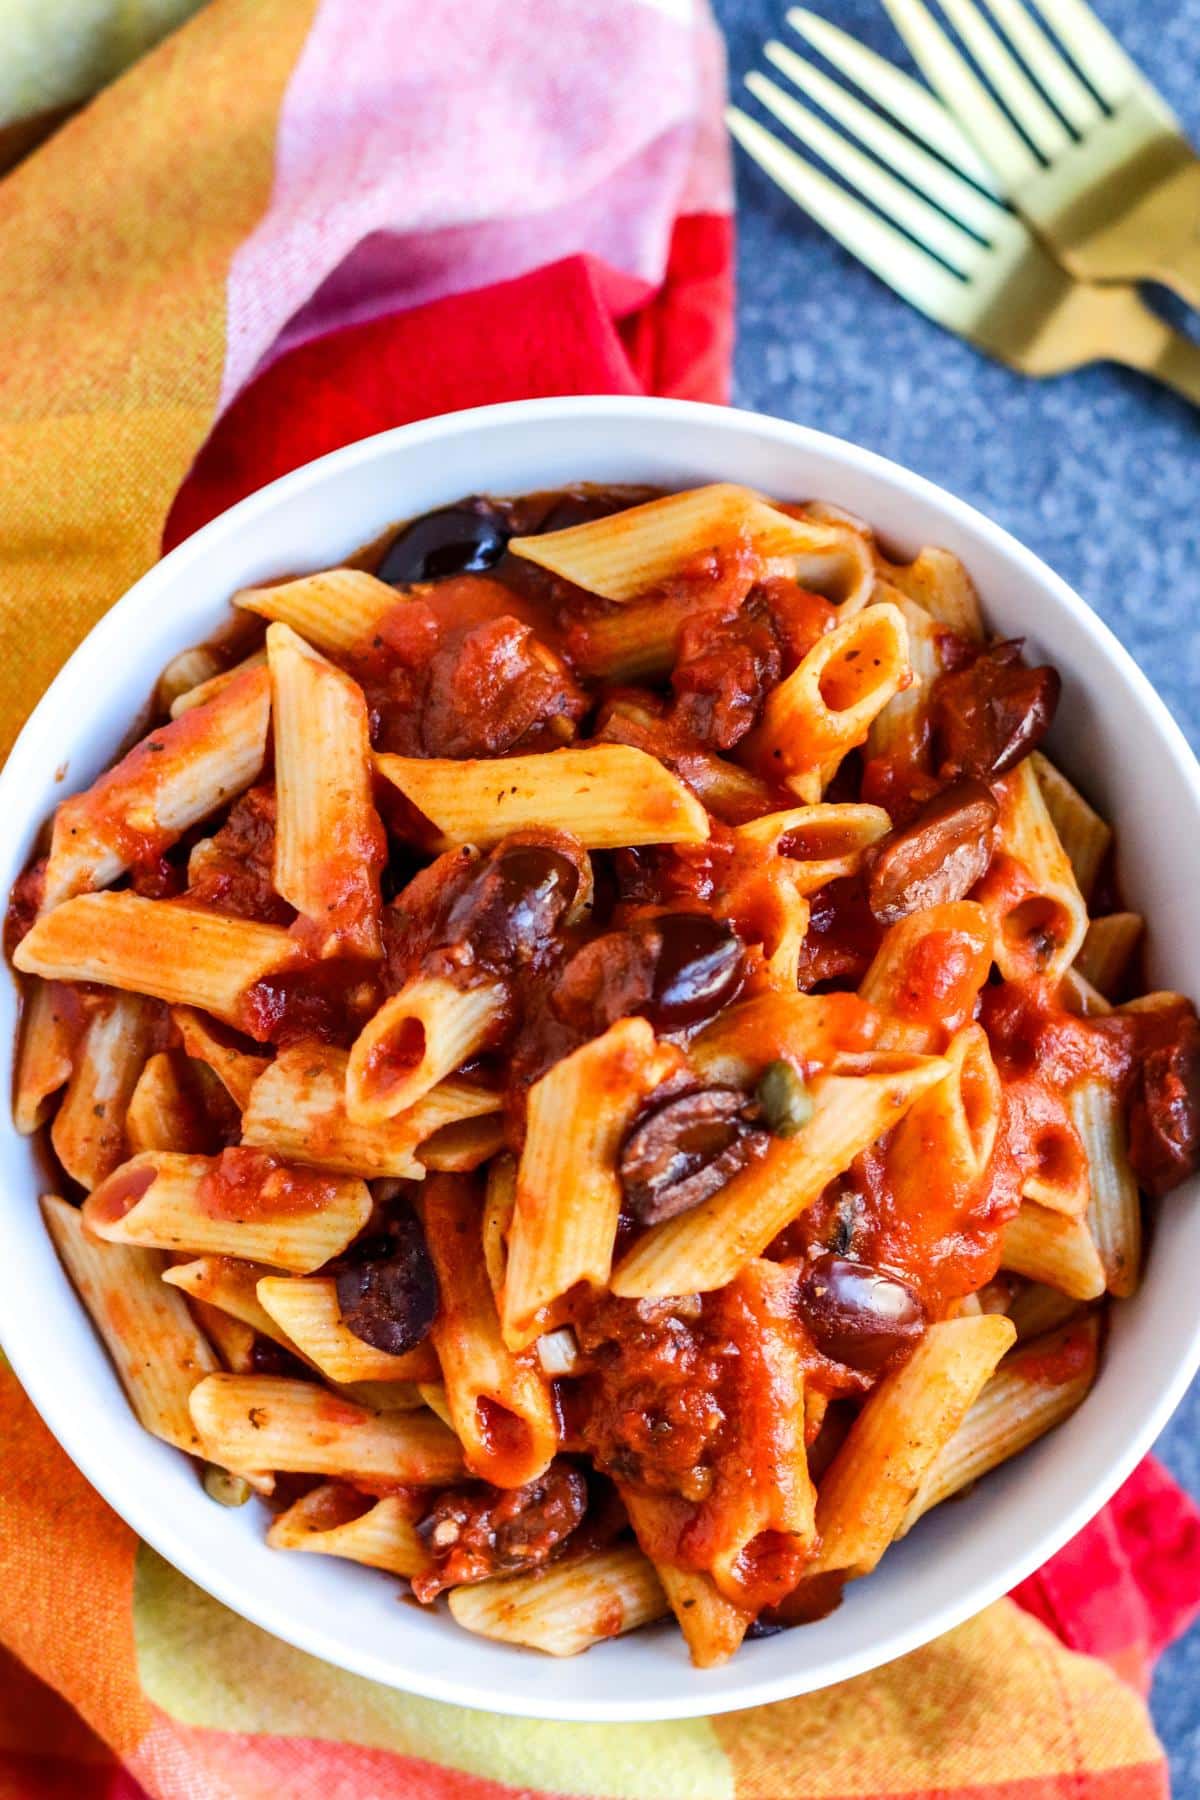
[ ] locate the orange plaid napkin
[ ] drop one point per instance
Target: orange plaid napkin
(293, 223)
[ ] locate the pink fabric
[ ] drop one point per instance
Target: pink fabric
(417, 158)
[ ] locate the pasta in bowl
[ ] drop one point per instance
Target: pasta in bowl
(203, 1052)
(593, 1062)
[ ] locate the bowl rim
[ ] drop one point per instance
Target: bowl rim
(136, 1506)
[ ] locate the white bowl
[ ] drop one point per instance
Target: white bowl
(1113, 734)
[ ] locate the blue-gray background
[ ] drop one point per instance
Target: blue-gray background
(1098, 471)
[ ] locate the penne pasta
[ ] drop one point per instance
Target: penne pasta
(232, 1339)
(712, 1626)
(944, 1142)
(1114, 1214)
(1033, 1390)
(760, 1512)
(164, 948)
(1108, 948)
(184, 673)
(228, 1285)
(329, 843)
(242, 1203)
(463, 1145)
(297, 1108)
(1053, 1248)
(215, 683)
(1030, 892)
(50, 1023)
(825, 707)
(899, 724)
(296, 1425)
(899, 1435)
(160, 1114)
(499, 1401)
(1081, 831)
(704, 1248)
(338, 1521)
(633, 552)
(567, 1606)
(958, 937)
(1078, 995)
(157, 1349)
(812, 1031)
(607, 795)
(568, 1196)
(235, 1069)
(936, 580)
(820, 843)
(338, 610)
(305, 1313)
(499, 1199)
(1036, 1309)
(416, 1039)
(178, 775)
(89, 1130)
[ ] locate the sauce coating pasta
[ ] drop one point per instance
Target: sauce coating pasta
(660, 940)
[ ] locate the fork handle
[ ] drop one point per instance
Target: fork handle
(1141, 340)
(1177, 261)
(1179, 267)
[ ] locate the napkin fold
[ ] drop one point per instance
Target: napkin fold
(290, 225)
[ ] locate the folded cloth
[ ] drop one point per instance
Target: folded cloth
(289, 226)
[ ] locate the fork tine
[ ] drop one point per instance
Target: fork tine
(906, 99)
(1052, 70)
(1038, 121)
(1094, 48)
(929, 176)
(914, 275)
(1000, 143)
(906, 207)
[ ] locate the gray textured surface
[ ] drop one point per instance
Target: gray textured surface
(1098, 471)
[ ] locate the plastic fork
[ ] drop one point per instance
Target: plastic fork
(927, 226)
(1101, 169)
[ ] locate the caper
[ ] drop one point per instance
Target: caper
(223, 1486)
(784, 1097)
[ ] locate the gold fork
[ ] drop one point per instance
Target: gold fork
(1110, 183)
(932, 232)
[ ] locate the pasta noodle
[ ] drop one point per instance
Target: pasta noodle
(706, 1247)
(45, 1053)
(338, 1521)
(89, 1130)
(417, 1038)
(1033, 1389)
(296, 1425)
(607, 795)
(158, 1351)
(499, 1401)
(329, 843)
(630, 553)
(898, 1437)
(825, 707)
(172, 779)
(567, 1607)
(255, 1207)
(337, 609)
(305, 1313)
(174, 952)
(568, 1197)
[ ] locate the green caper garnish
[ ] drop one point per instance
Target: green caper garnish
(226, 1488)
(784, 1097)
